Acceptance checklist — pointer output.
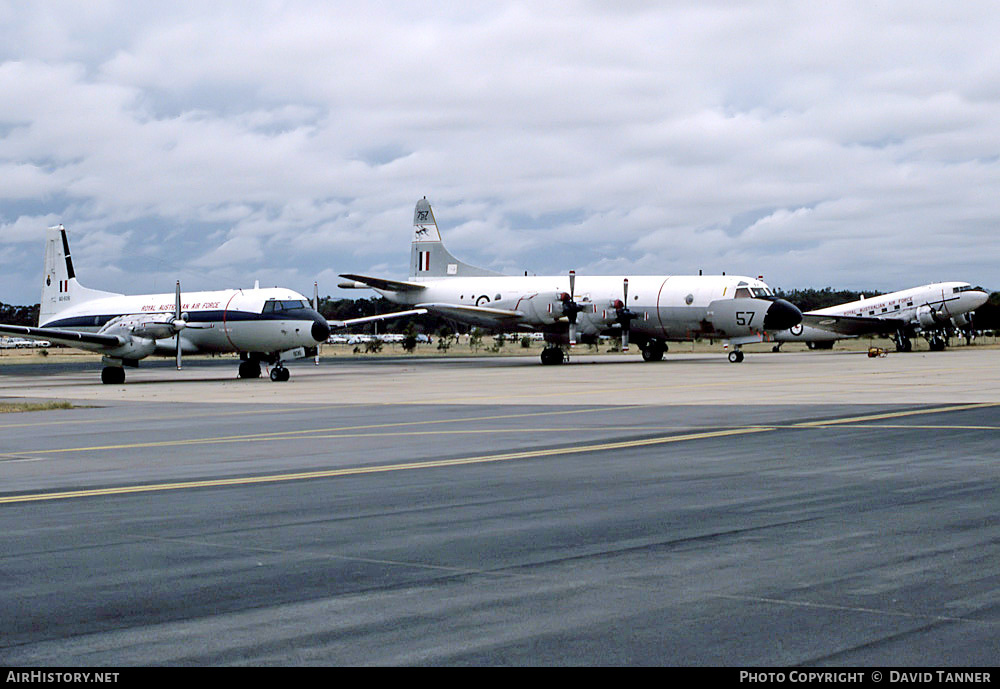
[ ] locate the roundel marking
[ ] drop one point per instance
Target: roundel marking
(796, 329)
(481, 300)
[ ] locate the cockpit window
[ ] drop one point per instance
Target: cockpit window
(272, 305)
(966, 288)
(742, 293)
(762, 292)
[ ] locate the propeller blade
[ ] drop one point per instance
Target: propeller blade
(177, 316)
(572, 334)
(316, 309)
(627, 325)
(625, 316)
(572, 285)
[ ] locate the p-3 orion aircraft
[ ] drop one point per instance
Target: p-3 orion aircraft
(269, 325)
(652, 309)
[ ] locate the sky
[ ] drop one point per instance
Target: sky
(846, 144)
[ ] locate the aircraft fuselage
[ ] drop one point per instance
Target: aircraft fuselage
(665, 307)
(236, 320)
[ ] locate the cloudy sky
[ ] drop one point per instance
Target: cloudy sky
(843, 144)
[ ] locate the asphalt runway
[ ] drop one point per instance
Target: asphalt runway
(796, 509)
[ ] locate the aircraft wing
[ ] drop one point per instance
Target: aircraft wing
(381, 283)
(852, 325)
(478, 315)
(377, 317)
(92, 342)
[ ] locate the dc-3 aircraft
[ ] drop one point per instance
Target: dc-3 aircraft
(929, 311)
(654, 309)
(269, 325)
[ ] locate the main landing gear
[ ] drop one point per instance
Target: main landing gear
(250, 368)
(653, 350)
(552, 356)
(736, 356)
(113, 375)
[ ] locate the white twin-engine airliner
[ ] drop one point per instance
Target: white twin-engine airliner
(654, 309)
(263, 325)
(929, 311)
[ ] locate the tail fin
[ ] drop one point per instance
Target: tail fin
(428, 257)
(60, 289)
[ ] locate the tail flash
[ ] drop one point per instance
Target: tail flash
(428, 256)
(60, 289)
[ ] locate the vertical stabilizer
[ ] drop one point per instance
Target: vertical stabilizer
(60, 289)
(428, 257)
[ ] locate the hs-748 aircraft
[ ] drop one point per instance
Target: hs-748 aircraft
(928, 310)
(263, 324)
(655, 309)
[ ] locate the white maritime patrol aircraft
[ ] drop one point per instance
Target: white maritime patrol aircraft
(929, 311)
(269, 325)
(654, 309)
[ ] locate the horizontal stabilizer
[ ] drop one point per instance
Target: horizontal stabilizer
(73, 338)
(381, 283)
(377, 317)
(852, 325)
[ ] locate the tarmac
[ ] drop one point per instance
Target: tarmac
(799, 508)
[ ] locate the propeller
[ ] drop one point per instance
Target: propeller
(570, 308)
(179, 322)
(624, 315)
(316, 309)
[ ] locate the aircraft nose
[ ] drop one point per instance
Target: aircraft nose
(781, 315)
(320, 328)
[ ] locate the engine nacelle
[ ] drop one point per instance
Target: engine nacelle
(962, 320)
(929, 317)
(544, 308)
(136, 346)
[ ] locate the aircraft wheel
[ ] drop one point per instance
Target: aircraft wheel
(249, 369)
(735, 356)
(653, 352)
(112, 375)
(904, 345)
(279, 374)
(552, 355)
(936, 344)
